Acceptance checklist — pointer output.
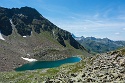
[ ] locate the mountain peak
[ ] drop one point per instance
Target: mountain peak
(26, 31)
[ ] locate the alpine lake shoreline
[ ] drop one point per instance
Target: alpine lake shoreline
(41, 74)
(35, 64)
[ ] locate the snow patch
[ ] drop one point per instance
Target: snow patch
(28, 54)
(53, 33)
(1, 37)
(29, 59)
(31, 33)
(24, 36)
(11, 22)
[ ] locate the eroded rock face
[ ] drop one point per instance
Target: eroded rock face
(27, 19)
(5, 25)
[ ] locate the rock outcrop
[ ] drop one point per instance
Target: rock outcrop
(106, 67)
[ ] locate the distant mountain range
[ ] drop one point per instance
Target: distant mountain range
(98, 45)
(26, 35)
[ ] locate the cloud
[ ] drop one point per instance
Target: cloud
(85, 28)
(107, 12)
(95, 24)
(96, 15)
(117, 33)
(121, 17)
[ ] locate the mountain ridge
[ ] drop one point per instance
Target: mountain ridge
(98, 45)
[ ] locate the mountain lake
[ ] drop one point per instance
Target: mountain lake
(47, 64)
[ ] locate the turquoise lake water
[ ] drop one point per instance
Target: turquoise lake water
(47, 64)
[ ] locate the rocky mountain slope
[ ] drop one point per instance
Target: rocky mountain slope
(98, 45)
(25, 33)
(103, 68)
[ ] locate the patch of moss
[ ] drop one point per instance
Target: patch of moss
(53, 71)
(123, 51)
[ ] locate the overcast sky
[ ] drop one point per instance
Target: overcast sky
(97, 18)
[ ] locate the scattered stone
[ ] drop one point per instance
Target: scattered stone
(122, 62)
(83, 75)
(107, 67)
(122, 70)
(74, 75)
